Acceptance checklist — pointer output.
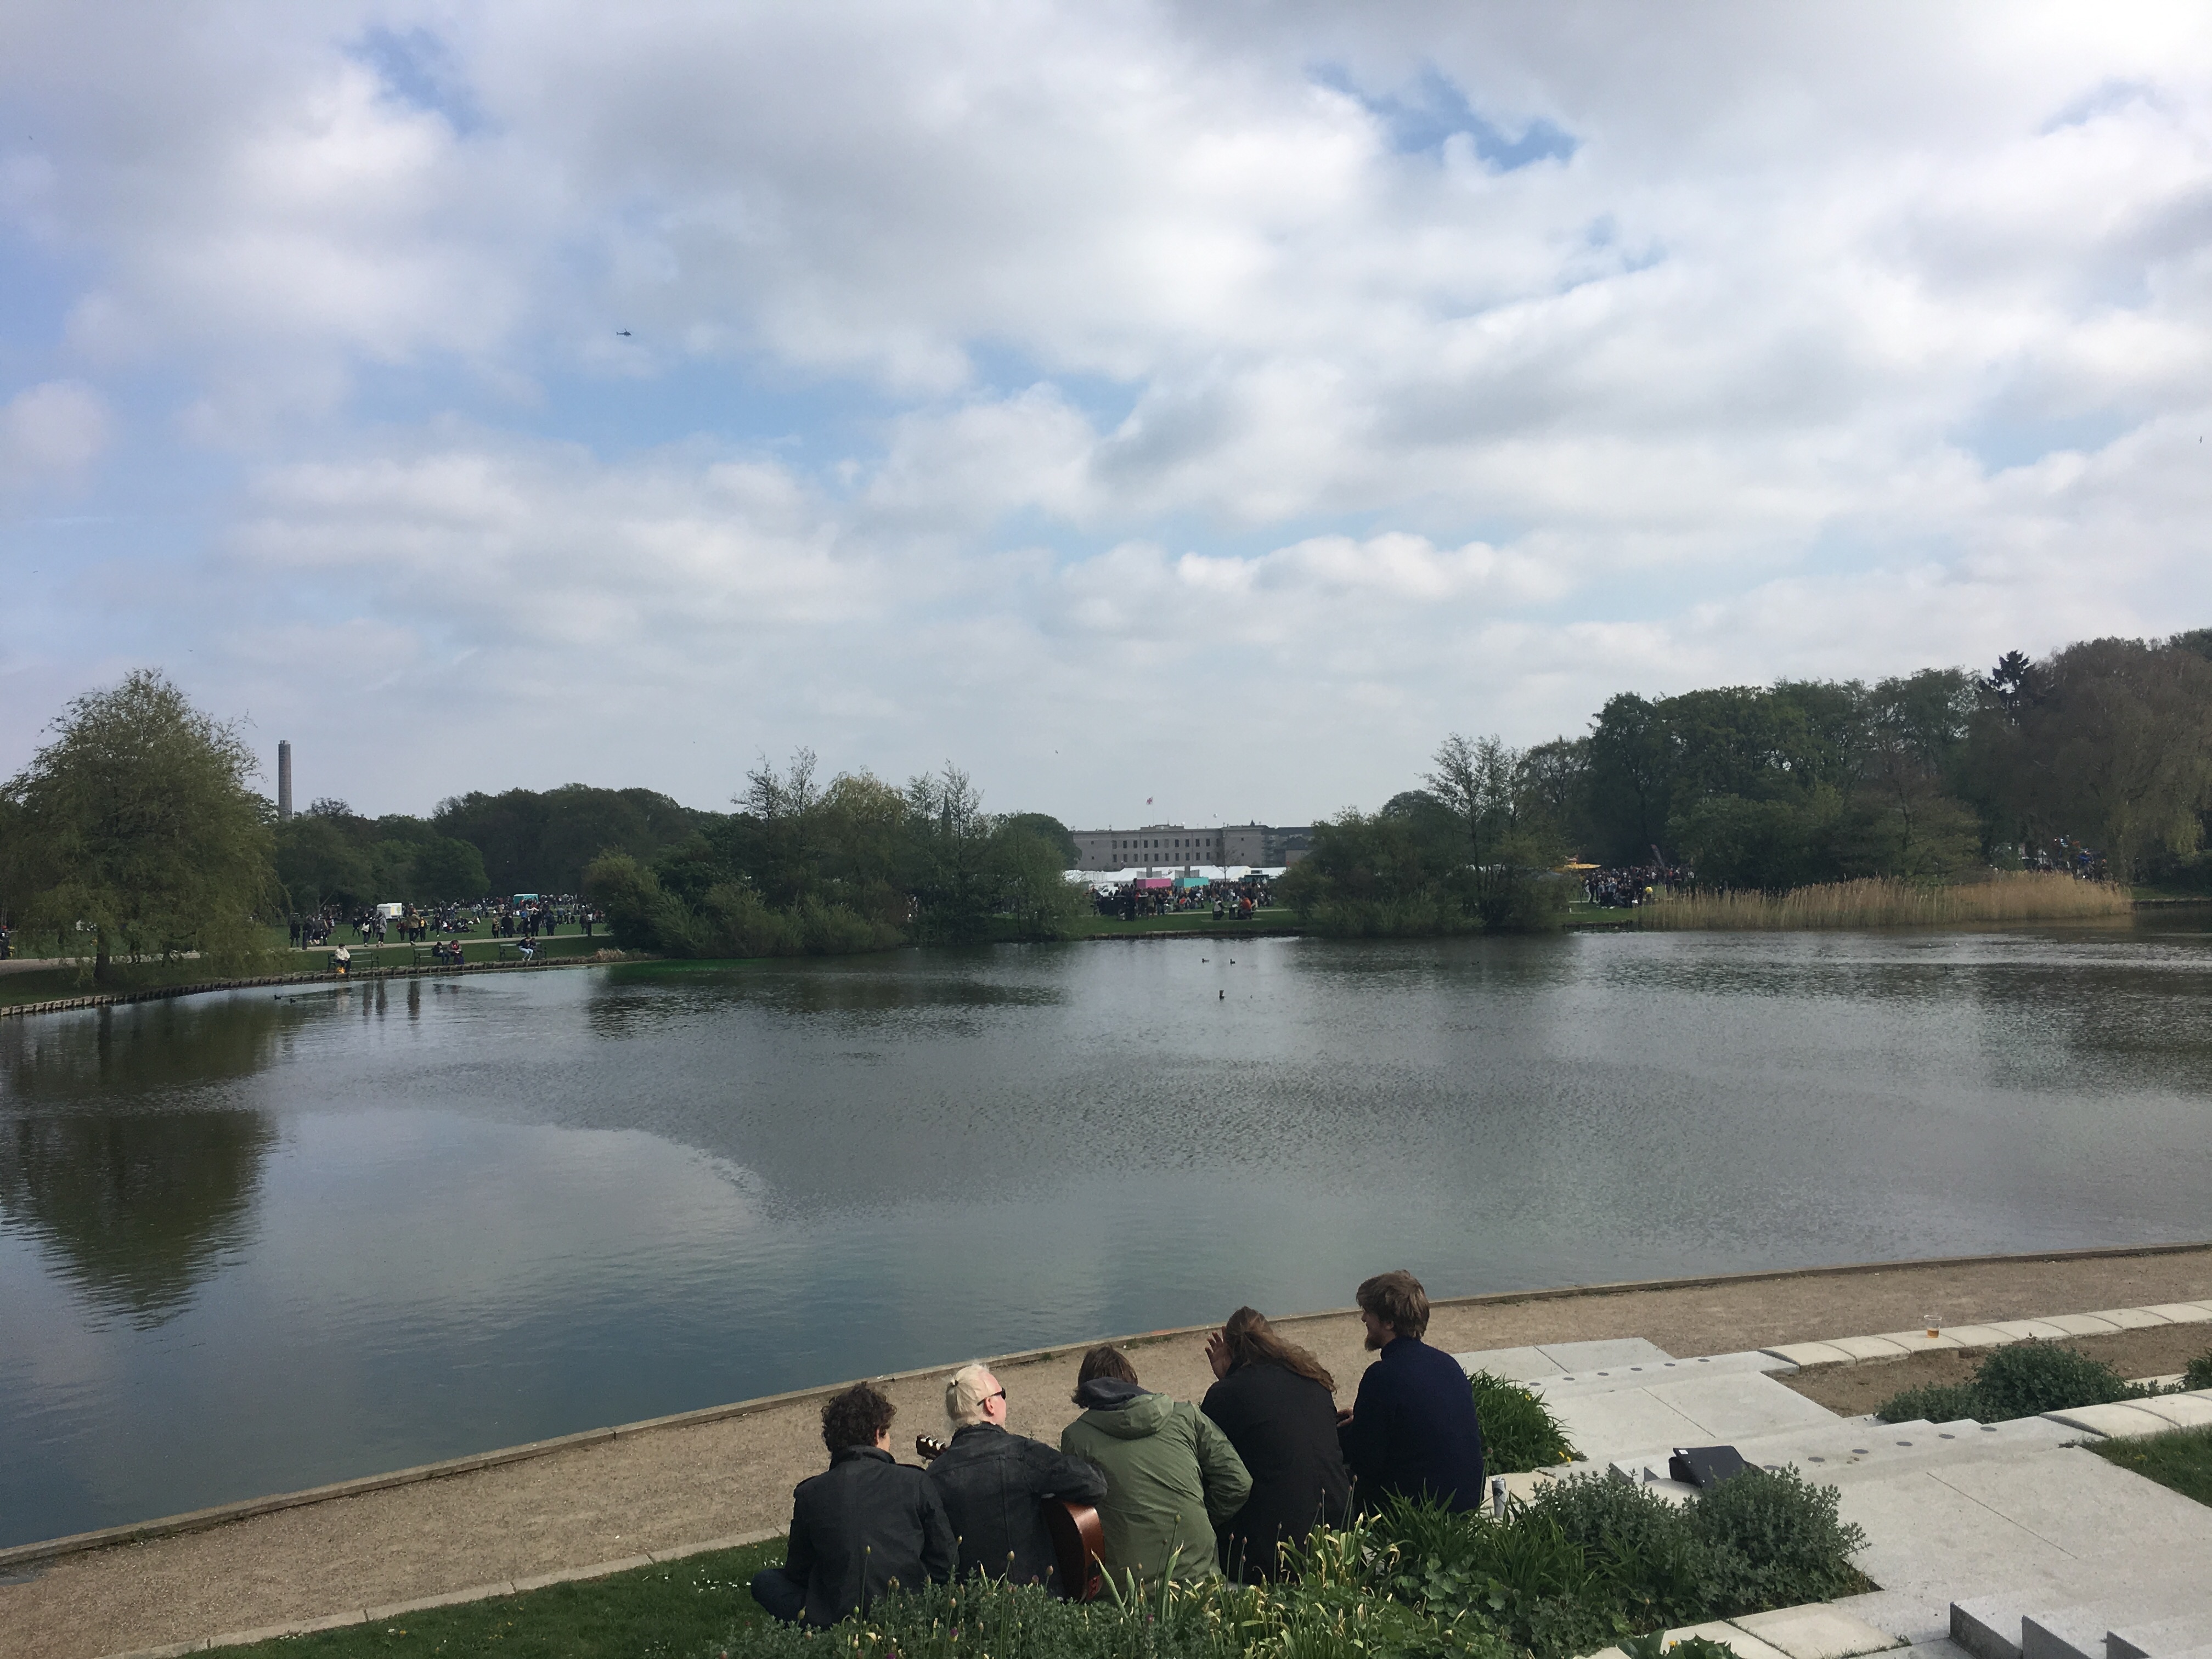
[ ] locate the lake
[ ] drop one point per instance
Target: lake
(252, 1243)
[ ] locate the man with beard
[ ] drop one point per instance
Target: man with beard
(1412, 1431)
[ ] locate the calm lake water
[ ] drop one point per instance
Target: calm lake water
(249, 1243)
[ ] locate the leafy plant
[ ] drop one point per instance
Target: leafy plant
(2199, 1372)
(1519, 1432)
(1935, 1402)
(2025, 1378)
(1776, 1540)
(1659, 1569)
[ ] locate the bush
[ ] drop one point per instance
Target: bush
(1661, 1570)
(1776, 1540)
(1936, 1403)
(2199, 1374)
(1519, 1432)
(2025, 1378)
(2022, 1379)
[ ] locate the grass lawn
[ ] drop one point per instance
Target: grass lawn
(2181, 1460)
(677, 1610)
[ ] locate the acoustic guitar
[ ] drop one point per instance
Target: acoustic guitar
(1078, 1541)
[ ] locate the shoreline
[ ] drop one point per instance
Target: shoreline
(220, 1514)
(608, 1500)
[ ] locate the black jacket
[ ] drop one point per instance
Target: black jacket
(863, 1527)
(1412, 1429)
(991, 1483)
(1283, 1427)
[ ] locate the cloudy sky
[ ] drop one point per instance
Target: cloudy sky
(1216, 405)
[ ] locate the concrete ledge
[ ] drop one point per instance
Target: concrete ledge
(366, 974)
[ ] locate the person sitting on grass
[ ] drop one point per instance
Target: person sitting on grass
(1171, 1475)
(994, 1484)
(864, 1528)
(1412, 1431)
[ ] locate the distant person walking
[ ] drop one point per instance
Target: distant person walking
(1411, 1432)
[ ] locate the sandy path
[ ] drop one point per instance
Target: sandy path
(670, 1486)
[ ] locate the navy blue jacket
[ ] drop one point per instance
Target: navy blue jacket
(1413, 1431)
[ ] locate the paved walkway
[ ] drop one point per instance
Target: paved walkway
(662, 1488)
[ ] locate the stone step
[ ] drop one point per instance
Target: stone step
(2149, 1638)
(1612, 1379)
(1854, 1448)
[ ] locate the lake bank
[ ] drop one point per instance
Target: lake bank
(661, 1488)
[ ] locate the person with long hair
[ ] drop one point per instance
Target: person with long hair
(1277, 1404)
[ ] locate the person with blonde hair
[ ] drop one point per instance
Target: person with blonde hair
(993, 1484)
(1277, 1404)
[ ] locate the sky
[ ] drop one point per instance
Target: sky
(1163, 413)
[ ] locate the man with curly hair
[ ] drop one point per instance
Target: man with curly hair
(864, 1528)
(1412, 1431)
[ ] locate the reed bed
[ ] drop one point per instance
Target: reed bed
(2025, 896)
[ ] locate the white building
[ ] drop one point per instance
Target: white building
(1177, 845)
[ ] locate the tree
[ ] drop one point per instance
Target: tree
(135, 831)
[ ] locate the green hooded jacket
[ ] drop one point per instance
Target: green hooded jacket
(1171, 1477)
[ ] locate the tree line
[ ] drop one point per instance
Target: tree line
(856, 864)
(2102, 749)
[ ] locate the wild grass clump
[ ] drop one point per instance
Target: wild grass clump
(1519, 1432)
(1878, 902)
(2022, 1379)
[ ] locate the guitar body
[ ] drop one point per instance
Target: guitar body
(1079, 1540)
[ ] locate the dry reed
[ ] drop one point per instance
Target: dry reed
(2025, 896)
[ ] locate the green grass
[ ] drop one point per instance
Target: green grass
(677, 1610)
(2181, 1459)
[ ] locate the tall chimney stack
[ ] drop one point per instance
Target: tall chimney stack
(283, 781)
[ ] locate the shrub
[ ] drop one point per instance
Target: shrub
(2199, 1373)
(2025, 1378)
(1936, 1403)
(1661, 1570)
(1519, 1432)
(1776, 1541)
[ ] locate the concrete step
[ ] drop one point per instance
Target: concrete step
(2010, 1627)
(1854, 1448)
(2149, 1638)
(1580, 1384)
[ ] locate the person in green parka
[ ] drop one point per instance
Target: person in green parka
(1171, 1476)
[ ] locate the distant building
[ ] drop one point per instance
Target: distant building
(1171, 846)
(284, 781)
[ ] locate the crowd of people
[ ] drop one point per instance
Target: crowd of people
(1186, 1491)
(1223, 898)
(1635, 883)
(526, 921)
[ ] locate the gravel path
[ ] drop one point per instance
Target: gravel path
(732, 1477)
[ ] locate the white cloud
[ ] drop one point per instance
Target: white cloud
(50, 434)
(1029, 377)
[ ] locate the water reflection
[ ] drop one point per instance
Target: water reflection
(250, 1242)
(139, 1209)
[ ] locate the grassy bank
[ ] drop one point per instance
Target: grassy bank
(678, 1609)
(1876, 903)
(2181, 1460)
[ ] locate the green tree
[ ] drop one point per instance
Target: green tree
(134, 831)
